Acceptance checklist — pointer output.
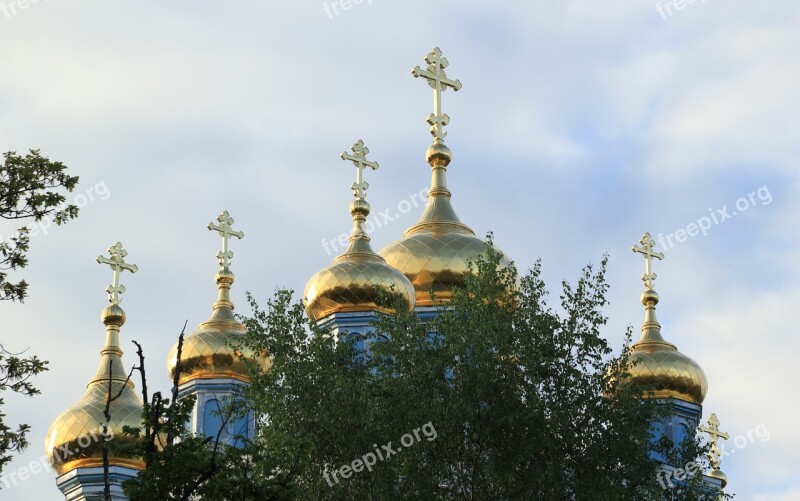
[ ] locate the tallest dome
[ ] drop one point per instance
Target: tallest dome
(435, 253)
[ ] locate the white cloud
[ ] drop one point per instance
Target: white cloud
(580, 126)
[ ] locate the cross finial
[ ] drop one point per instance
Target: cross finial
(647, 250)
(225, 229)
(117, 262)
(438, 80)
(715, 454)
(359, 158)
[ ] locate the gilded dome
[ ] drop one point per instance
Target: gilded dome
(356, 279)
(661, 366)
(212, 351)
(215, 350)
(75, 439)
(435, 253)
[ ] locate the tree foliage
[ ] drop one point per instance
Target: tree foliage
(182, 466)
(32, 188)
(501, 396)
(16, 372)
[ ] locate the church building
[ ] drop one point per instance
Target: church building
(422, 267)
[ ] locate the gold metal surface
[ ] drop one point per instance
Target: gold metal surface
(647, 251)
(355, 280)
(75, 439)
(715, 454)
(439, 82)
(225, 229)
(359, 158)
(657, 362)
(434, 254)
(118, 264)
(210, 352)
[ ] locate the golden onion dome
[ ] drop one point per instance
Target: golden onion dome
(356, 280)
(435, 253)
(656, 363)
(659, 365)
(75, 439)
(215, 350)
(719, 475)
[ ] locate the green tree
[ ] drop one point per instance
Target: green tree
(32, 188)
(509, 399)
(15, 375)
(182, 466)
(500, 397)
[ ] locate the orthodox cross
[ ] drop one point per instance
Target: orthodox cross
(647, 251)
(117, 262)
(713, 431)
(225, 229)
(359, 158)
(438, 80)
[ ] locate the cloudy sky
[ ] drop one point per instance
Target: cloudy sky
(580, 125)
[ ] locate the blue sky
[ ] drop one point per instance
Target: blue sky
(580, 126)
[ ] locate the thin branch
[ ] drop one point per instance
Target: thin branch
(149, 444)
(5, 351)
(177, 376)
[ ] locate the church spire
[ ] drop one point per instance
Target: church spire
(655, 361)
(715, 453)
(114, 318)
(359, 208)
(651, 329)
(439, 213)
(438, 80)
(355, 281)
(214, 352)
(118, 265)
(223, 307)
(109, 384)
(435, 254)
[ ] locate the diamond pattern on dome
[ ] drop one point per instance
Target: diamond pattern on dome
(76, 435)
(671, 373)
(435, 261)
(208, 353)
(353, 286)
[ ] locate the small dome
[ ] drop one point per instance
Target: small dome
(354, 285)
(210, 352)
(356, 279)
(719, 475)
(435, 253)
(659, 365)
(669, 372)
(75, 439)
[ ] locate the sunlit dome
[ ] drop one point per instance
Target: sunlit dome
(215, 350)
(356, 280)
(660, 365)
(435, 253)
